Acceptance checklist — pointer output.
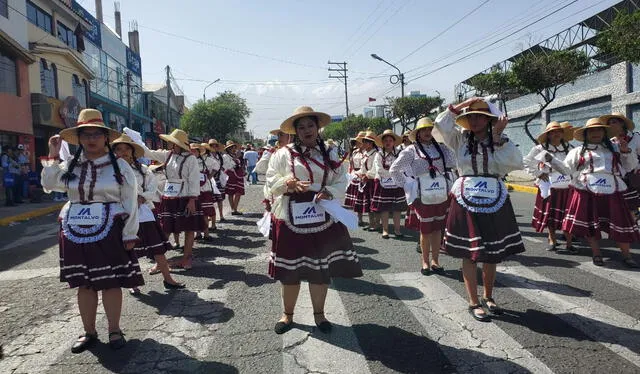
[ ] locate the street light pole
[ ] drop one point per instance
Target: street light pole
(204, 97)
(399, 77)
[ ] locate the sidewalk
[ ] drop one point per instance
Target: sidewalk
(520, 181)
(27, 210)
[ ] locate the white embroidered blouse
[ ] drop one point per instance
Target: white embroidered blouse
(95, 183)
(535, 168)
(411, 162)
(190, 171)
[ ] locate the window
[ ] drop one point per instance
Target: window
(48, 79)
(8, 74)
(67, 36)
(4, 8)
(79, 90)
(39, 17)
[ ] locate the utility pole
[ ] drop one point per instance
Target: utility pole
(342, 71)
(129, 99)
(168, 122)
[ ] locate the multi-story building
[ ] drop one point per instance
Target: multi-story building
(15, 58)
(155, 106)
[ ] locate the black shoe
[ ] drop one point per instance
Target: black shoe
(324, 326)
(484, 317)
(118, 343)
(418, 249)
(495, 309)
(398, 236)
(82, 345)
(282, 327)
(629, 262)
(171, 286)
(551, 248)
(385, 236)
(437, 269)
(573, 250)
(597, 261)
(425, 271)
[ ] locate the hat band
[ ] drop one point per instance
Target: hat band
(94, 120)
(469, 109)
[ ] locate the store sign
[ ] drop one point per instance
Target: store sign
(93, 34)
(134, 63)
(69, 111)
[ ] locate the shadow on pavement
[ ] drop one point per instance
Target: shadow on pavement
(363, 287)
(188, 305)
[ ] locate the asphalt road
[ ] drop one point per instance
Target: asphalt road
(563, 314)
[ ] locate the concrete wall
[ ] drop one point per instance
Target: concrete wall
(16, 25)
(16, 110)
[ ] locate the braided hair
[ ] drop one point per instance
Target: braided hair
(68, 176)
(565, 146)
(432, 171)
(297, 144)
(472, 143)
(607, 144)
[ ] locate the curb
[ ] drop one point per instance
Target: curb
(5, 221)
(521, 188)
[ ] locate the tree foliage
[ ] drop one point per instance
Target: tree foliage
(350, 126)
(216, 118)
(496, 81)
(410, 109)
(621, 39)
(544, 73)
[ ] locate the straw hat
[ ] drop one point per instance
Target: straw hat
(358, 137)
(304, 111)
(578, 133)
(197, 146)
(567, 132)
(214, 144)
(567, 125)
(138, 151)
(388, 132)
(423, 123)
(406, 134)
(370, 135)
(605, 119)
(207, 147)
(87, 118)
(479, 107)
(275, 132)
(230, 143)
(177, 137)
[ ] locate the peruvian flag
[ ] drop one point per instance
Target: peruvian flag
(372, 99)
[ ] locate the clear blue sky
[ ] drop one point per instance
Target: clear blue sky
(274, 53)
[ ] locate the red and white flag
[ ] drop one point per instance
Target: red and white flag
(372, 99)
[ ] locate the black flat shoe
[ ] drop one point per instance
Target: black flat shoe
(222, 220)
(437, 269)
(493, 309)
(425, 271)
(282, 327)
(89, 341)
(362, 224)
(171, 286)
(398, 236)
(597, 261)
(324, 326)
(117, 343)
(571, 249)
(551, 248)
(484, 317)
(385, 236)
(629, 262)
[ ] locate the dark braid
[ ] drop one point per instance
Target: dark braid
(584, 148)
(441, 152)
(565, 146)
(325, 155)
(490, 130)
(471, 143)
(69, 176)
(114, 163)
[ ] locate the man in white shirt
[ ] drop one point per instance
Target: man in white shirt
(251, 157)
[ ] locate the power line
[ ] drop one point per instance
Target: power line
(364, 32)
(362, 24)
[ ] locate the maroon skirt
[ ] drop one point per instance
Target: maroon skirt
(172, 217)
(632, 197)
(427, 218)
(482, 237)
(207, 203)
(235, 184)
(221, 195)
(350, 195)
(362, 202)
(153, 241)
(312, 257)
(100, 265)
(588, 214)
(387, 199)
(550, 212)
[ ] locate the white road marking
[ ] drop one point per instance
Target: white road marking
(533, 240)
(28, 237)
(627, 278)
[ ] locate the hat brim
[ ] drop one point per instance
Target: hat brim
(463, 121)
(287, 126)
(173, 140)
(70, 135)
(627, 121)
(567, 134)
(397, 139)
(414, 133)
(138, 151)
(578, 134)
(229, 146)
(374, 139)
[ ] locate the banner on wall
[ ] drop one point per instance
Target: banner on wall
(134, 63)
(93, 34)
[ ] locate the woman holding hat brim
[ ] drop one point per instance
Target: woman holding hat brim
(481, 225)
(95, 255)
(355, 163)
(387, 196)
(429, 162)
(153, 242)
(550, 211)
(622, 128)
(235, 185)
(180, 210)
(597, 190)
(313, 248)
(366, 175)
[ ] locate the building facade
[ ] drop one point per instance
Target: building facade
(154, 105)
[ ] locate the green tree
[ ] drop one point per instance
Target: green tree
(621, 38)
(216, 118)
(544, 73)
(352, 125)
(410, 109)
(496, 81)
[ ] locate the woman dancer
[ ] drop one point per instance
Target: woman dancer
(219, 176)
(388, 197)
(235, 185)
(308, 244)
(206, 166)
(481, 225)
(180, 210)
(98, 225)
(153, 242)
(366, 175)
(549, 211)
(597, 198)
(355, 163)
(429, 162)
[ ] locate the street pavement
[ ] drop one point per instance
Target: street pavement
(563, 315)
